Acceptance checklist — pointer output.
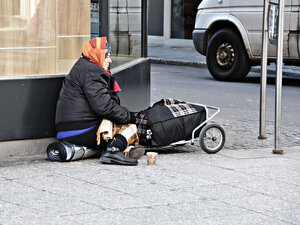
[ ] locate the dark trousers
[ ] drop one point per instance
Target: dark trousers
(87, 139)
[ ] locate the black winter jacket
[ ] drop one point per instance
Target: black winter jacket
(85, 99)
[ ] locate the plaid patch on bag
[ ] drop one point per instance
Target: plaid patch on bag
(171, 101)
(179, 108)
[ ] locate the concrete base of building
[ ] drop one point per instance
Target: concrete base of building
(24, 147)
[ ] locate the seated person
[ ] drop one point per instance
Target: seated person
(89, 96)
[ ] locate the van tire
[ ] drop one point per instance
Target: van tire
(226, 57)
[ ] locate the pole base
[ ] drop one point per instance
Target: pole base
(262, 137)
(279, 152)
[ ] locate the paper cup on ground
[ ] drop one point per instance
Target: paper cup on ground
(151, 158)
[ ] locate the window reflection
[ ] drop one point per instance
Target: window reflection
(41, 36)
(183, 18)
(125, 30)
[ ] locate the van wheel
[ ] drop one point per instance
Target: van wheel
(226, 56)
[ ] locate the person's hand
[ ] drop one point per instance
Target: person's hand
(133, 117)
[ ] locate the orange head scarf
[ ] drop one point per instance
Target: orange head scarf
(94, 49)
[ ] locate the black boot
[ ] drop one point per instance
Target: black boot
(113, 155)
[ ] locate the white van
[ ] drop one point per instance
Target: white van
(229, 34)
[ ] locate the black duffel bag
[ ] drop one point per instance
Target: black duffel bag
(169, 121)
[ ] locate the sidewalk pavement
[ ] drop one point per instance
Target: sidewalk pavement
(187, 55)
(187, 186)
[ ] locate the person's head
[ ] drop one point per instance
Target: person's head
(99, 51)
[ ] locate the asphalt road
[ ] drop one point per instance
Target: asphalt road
(239, 103)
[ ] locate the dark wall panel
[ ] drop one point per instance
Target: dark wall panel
(156, 17)
(27, 106)
(135, 85)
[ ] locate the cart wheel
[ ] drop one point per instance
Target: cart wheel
(212, 138)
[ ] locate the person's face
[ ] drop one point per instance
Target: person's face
(107, 61)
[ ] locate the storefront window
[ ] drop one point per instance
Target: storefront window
(41, 36)
(125, 30)
(44, 37)
(183, 18)
(95, 18)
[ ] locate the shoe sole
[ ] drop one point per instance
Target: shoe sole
(114, 161)
(136, 154)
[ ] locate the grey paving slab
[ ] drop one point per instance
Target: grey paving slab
(11, 210)
(103, 217)
(253, 153)
(159, 214)
(135, 186)
(188, 180)
(272, 188)
(159, 198)
(224, 175)
(176, 179)
(119, 201)
(20, 171)
(285, 174)
(12, 213)
(37, 220)
(255, 163)
(270, 206)
(250, 154)
(57, 183)
(209, 208)
(46, 202)
(221, 192)
(181, 222)
(292, 215)
(294, 157)
(243, 219)
(15, 213)
(293, 153)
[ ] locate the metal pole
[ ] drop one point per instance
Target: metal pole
(144, 50)
(104, 18)
(278, 149)
(263, 79)
(167, 18)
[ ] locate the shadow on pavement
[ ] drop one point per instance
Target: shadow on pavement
(171, 149)
(286, 81)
